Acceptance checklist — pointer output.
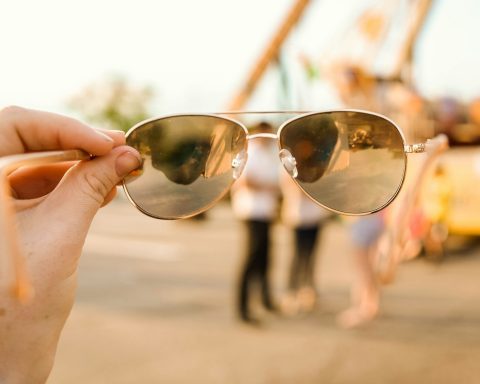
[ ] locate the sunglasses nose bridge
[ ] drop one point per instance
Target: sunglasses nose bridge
(288, 162)
(238, 163)
(264, 135)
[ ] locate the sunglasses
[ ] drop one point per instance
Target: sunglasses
(349, 161)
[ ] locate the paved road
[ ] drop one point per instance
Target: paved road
(155, 306)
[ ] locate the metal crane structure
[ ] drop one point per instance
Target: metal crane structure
(269, 55)
(364, 40)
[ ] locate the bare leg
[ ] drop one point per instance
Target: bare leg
(365, 295)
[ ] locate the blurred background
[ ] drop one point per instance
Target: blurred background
(156, 298)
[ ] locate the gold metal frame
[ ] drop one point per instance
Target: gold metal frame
(408, 148)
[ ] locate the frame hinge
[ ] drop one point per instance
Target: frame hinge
(415, 148)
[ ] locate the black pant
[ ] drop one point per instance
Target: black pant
(254, 272)
(303, 262)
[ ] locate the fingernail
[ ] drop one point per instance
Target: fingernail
(104, 136)
(126, 163)
(115, 132)
(117, 136)
(118, 132)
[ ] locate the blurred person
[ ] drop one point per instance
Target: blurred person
(311, 149)
(306, 219)
(255, 201)
(364, 233)
(54, 206)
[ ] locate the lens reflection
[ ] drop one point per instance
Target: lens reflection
(187, 164)
(351, 162)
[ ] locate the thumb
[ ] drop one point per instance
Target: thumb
(84, 188)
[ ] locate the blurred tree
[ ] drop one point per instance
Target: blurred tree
(113, 103)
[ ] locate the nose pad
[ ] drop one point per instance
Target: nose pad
(289, 162)
(238, 163)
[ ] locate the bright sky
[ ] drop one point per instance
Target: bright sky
(196, 53)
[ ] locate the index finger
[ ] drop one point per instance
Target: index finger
(27, 130)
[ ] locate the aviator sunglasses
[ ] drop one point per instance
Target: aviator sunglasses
(349, 161)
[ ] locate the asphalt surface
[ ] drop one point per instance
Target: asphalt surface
(155, 305)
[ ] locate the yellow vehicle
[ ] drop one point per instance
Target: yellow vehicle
(461, 167)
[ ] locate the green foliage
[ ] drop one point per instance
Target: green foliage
(113, 103)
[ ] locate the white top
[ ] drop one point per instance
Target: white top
(298, 210)
(255, 193)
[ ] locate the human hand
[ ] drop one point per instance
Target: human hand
(55, 205)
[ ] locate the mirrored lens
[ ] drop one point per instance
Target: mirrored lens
(351, 162)
(188, 164)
